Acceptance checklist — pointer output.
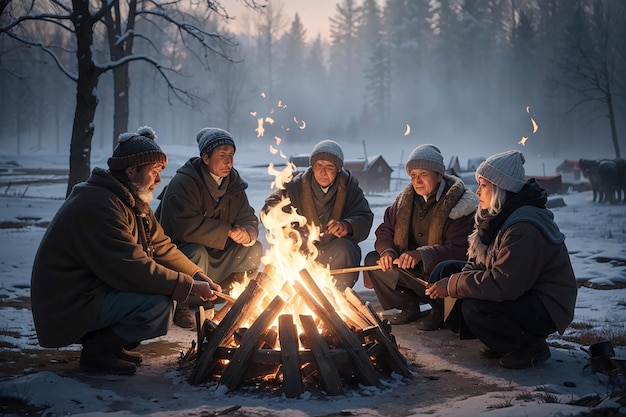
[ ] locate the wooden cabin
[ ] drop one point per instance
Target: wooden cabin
(373, 173)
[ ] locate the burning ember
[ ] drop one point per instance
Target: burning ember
(290, 325)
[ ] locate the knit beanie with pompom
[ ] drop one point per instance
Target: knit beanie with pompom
(135, 149)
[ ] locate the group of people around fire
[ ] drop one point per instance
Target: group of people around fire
(110, 273)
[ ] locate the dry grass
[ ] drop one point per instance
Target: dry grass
(587, 334)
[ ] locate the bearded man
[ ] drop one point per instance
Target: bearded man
(105, 274)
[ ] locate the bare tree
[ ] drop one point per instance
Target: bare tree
(178, 23)
(78, 18)
(3, 5)
(592, 61)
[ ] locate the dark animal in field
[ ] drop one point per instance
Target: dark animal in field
(603, 177)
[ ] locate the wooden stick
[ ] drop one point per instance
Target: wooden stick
(355, 269)
(225, 296)
(315, 299)
(378, 268)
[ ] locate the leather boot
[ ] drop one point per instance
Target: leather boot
(183, 317)
(129, 356)
(99, 354)
(527, 355)
(434, 318)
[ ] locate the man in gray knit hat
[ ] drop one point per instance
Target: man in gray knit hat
(206, 212)
(428, 222)
(330, 198)
(105, 274)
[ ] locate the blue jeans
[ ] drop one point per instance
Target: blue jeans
(135, 316)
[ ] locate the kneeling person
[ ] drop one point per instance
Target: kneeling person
(105, 274)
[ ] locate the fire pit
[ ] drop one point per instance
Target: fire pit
(290, 328)
(343, 342)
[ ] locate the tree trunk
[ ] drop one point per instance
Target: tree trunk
(611, 109)
(121, 87)
(121, 78)
(3, 5)
(86, 96)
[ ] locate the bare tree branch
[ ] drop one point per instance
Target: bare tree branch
(72, 76)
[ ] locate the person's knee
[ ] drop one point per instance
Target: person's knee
(250, 258)
(254, 255)
(340, 253)
(347, 246)
(196, 252)
(162, 302)
(372, 258)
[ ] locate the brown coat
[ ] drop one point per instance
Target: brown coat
(522, 258)
(96, 242)
(448, 231)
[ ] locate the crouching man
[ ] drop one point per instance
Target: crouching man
(105, 274)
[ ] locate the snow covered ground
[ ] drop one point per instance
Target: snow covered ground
(596, 236)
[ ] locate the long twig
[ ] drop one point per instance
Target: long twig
(355, 269)
(378, 268)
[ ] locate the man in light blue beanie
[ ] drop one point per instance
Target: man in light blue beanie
(206, 212)
(330, 198)
(427, 223)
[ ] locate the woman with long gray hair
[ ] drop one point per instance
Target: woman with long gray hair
(518, 285)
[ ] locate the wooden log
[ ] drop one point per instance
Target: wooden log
(366, 311)
(200, 317)
(361, 361)
(273, 356)
(348, 313)
(270, 339)
(329, 376)
(240, 311)
(221, 313)
(235, 372)
(292, 378)
(392, 356)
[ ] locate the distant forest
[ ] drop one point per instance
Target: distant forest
(472, 72)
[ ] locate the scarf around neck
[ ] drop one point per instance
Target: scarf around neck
(530, 195)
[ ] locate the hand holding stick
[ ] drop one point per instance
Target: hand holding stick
(378, 268)
(225, 296)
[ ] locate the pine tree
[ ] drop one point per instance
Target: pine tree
(343, 55)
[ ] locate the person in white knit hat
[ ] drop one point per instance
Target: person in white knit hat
(330, 198)
(518, 285)
(428, 222)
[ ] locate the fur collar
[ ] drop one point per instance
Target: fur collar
(455, 203)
